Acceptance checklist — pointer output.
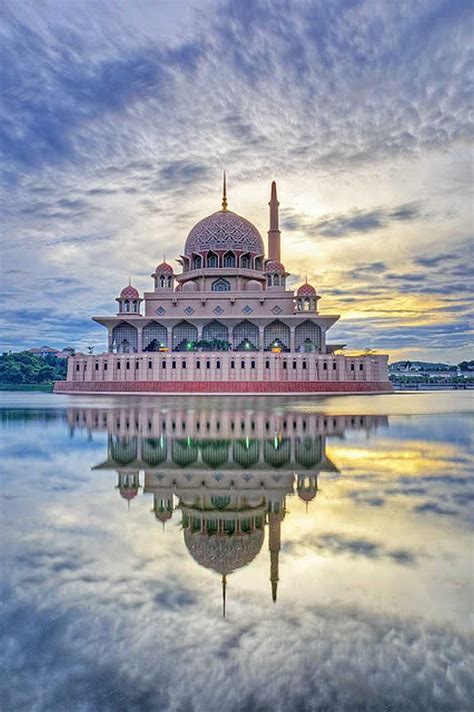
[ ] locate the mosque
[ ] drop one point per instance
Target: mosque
(227, 322)
(227, 474)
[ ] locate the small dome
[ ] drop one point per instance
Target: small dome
(164, 268)
(224, 230)
(275, 267)
(253, 285)
(189, 287)
(306, 290)
(129, 292)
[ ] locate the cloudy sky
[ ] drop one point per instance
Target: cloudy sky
(117, 119)
(103, 611)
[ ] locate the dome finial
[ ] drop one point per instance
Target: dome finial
(224, 192)
(129, 281)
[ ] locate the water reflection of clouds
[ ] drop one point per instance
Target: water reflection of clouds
(105, 610)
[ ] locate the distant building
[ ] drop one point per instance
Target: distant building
(44, 351)
(226, 323)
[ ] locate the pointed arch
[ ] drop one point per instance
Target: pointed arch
(124, 338)
(214, 332)
(220, 285)
(154, 336)
(308, 336)
(276, 335)
(184, 336)
(245, 336)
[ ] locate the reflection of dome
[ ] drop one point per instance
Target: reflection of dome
(129, 493)
(163, 516)
(164, 268)
(274, 267)
(224, 230)
(307, 495)
(224, 553)
(129, 292)
(306, 290)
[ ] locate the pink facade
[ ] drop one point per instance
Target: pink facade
(226, 323)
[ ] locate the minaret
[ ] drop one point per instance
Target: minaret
(274, 232)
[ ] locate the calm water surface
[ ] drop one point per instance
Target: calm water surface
(225, 554)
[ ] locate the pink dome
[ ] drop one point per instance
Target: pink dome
(306, 290)
(224, 230)
(275, 267)
(164, 268)
(129, 292)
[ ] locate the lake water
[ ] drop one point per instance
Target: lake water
(226, 555)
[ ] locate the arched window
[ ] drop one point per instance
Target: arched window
(245, 337)
(197, 262)
(216, 336)
(162, 281)
(229, 259)
(269, 280)
(245, 262)
(258, 263)
(212, 259)
(220, 285)
(184, 336)
(276, 335)
(124, 338)
(276, 280)
(308, 336)
(170, 281)
(277, 453)
(154, 337)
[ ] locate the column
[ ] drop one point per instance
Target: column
(139, 338)
(110, 339)
(292, 339)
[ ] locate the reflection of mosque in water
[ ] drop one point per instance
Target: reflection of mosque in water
(228, 473)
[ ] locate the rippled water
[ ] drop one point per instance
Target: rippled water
(224, 554)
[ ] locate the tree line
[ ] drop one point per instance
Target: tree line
(25, 367)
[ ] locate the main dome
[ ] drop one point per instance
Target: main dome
(223, 231)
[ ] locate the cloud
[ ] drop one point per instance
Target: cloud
(352, 223)
(116, 129)
(334, 543)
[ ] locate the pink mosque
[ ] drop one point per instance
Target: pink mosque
(226, 323)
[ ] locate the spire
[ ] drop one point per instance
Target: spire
(273, 196)
(224, 586)
(224, 192)
(274, 231)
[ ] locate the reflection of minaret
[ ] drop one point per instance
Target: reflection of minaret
(275, 516)
(274, 232)
(224, 586)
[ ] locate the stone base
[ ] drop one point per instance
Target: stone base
(222, 387)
